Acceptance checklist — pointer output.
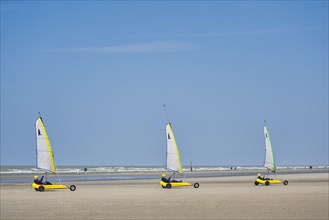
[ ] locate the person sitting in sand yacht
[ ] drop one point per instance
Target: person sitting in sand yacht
(37, 181)
(259, 176)
(175, 181)
(164, 179)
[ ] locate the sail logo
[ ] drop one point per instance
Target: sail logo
(39, 132)
(169, 137)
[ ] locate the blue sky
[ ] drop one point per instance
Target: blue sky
(100, 71)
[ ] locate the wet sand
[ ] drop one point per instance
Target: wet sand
(305, 197)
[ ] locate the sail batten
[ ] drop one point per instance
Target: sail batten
(173, 157)
(45, 157)
(269, 156)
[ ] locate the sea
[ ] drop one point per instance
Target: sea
(24, 174)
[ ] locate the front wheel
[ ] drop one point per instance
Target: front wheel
(168, 186)
(196, 185)
(73, 187)
(285, 182)
(256, 183)
(41, 188)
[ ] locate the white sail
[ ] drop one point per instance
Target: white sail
(269, 156)
(45, 156)
(173, 156)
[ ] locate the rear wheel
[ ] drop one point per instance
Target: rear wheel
(168, 186)
(267, 183)
(196, 185)
(41, 188)
(163, 186)
(285, 182)
(256, 183)
(36, 189)
(73, 188)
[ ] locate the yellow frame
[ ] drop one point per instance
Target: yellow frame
(47, 187)
(175, 184)
(272, 181)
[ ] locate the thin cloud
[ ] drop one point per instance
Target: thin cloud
(232, 33)
(250, 32)
(150, 47)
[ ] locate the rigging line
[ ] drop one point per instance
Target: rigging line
(57, 172)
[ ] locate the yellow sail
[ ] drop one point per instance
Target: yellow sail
(173, 156)
(269, 156)
(45, 157)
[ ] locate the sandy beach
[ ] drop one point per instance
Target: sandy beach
(305, 197)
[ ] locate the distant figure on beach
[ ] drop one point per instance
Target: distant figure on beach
(85, 170)
(37, 181)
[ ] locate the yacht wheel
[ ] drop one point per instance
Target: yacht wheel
(41, 188)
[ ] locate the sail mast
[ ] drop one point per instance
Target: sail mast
(167, 116)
